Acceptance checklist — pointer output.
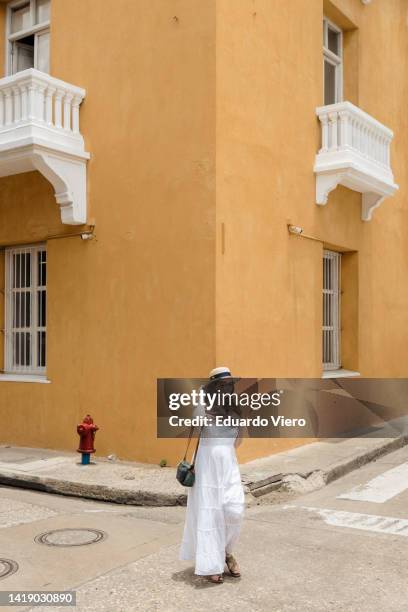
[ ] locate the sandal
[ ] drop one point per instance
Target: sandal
(232, 565)
(216, 579)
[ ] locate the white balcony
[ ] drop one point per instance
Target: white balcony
(39, 130)
(355, 153)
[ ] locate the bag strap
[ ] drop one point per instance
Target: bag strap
(188, 444)
(196, 449)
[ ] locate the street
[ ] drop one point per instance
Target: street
(343, 547)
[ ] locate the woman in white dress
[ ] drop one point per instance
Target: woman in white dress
(215, 503)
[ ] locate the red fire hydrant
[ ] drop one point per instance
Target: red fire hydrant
(86, 430)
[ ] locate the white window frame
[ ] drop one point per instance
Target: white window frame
(34, 29)
(332, 58)
(34, 327)
(331, 332)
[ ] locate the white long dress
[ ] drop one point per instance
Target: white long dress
(215, 504)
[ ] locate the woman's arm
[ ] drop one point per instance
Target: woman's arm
(238, 440)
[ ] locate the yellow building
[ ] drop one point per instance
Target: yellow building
(191, 133)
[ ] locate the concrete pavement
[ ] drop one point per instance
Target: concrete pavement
(323, 551)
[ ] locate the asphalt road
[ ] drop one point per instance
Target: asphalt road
(344, 547)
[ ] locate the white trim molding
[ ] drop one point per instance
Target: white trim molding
(27, 378)
(340, 373)
(355, 153)
(39, 130)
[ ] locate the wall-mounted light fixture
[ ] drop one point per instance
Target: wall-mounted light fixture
(88, 235)
(296, 230)
(85, 234)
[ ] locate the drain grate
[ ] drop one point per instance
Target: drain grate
(7, 567)
(71, 537)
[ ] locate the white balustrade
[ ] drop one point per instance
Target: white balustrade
(344, 126)
(35, 99)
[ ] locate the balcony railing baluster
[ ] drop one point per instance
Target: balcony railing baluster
(35, 97)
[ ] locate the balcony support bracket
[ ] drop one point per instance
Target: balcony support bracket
(68, 178)
(65, 171)
(325, 183)
(370, 202)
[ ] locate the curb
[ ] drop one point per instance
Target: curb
(304, 482)
(341, 469)
(295, 482)
(93, 491)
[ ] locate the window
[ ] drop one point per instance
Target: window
(28, 35)
(331, 310)
(25, 331)
(332, 63)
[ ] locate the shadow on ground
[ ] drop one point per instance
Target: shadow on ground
(199, 582)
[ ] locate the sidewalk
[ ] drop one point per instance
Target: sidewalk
(301, 469)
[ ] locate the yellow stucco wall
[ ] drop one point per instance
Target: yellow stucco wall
(138, 302)
(269, 284)
(200, 114)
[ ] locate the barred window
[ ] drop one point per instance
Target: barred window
(25, 332)
(331, 310)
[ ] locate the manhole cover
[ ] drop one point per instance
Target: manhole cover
(70, 537)
(7, 567)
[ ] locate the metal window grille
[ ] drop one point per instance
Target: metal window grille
(25, 332)
(331, 310)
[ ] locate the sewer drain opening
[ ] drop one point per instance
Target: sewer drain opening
(7, 567)
(71, 537)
